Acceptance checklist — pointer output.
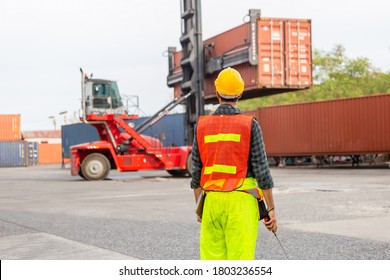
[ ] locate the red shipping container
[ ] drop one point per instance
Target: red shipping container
(350, 126)
(273, 56)
(10, 128)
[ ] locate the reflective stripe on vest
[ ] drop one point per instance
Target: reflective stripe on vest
(220, 168)
(222, 137)
(224, 144)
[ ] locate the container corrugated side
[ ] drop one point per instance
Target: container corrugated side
(284, 53)
(10, 128)
(13, 153)
(348, 126)
(284, 57)
(228, 41)
(49, 153)
(170, 130)
(78, 133)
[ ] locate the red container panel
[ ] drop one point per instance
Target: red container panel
(337, 127)
(283, 63)
(233, 40)
(10, 128)
(284, 53)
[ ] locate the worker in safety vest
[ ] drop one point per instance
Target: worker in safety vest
(231, 172)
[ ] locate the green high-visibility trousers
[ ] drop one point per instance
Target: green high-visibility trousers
(229, 226)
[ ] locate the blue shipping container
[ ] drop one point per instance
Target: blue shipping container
(77, 133)
(170, 130)
(13, 154)
(32, 153)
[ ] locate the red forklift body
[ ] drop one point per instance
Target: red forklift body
(168, 158)
(122, 147)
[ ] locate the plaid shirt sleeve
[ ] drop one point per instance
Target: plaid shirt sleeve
(258, 162)
(196, 165)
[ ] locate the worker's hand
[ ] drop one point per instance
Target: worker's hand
(198, 218)
(271, 225)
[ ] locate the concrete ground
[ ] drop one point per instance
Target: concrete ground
(340, 213)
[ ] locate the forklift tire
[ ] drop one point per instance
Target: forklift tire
(81, 174)
(177, 172)
(95, 167)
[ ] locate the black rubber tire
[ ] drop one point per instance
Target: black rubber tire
(81, 173)
(178, 172)
(95, 167)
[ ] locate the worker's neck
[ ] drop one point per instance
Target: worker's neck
(234, 104)
(224, 101)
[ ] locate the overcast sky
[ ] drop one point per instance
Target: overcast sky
(45, 42)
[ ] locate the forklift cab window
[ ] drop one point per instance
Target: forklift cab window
(101, 93)
(115, 96)
(101, 90)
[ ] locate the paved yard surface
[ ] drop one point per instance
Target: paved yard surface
(338, 213)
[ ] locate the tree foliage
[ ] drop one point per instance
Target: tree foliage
(334, 76)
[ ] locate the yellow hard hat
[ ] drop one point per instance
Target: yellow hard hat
(229, 83)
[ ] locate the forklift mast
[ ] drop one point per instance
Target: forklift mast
(192, 64)
(102, 96)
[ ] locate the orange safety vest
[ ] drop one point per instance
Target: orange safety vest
(224, 145)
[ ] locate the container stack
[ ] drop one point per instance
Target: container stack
(47, 142)
(13, 150)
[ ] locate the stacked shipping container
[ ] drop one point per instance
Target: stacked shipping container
(32, 153)
(47, 142)
(13, 151)
(10, 128)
